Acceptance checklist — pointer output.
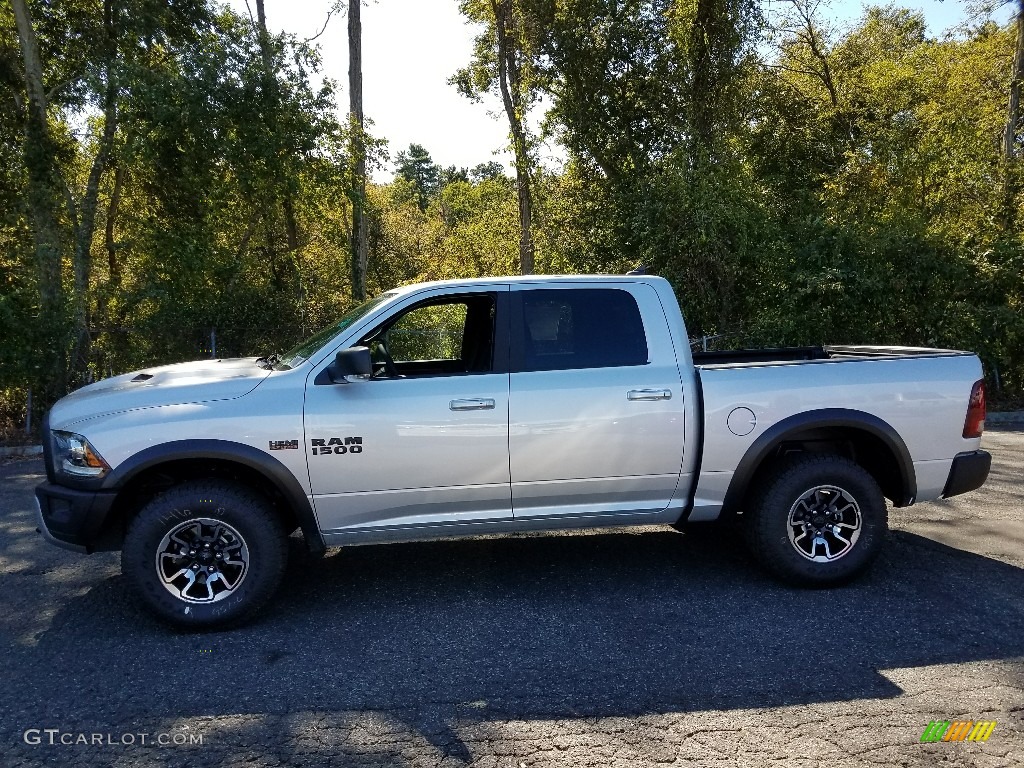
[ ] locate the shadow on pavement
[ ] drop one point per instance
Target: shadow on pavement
(430, 635)
(550, 627)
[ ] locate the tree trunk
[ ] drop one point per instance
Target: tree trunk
(85, 222)
(272, 104)
(110, 243)
(85, 228)
(1011, 132)
(44, 202)
(113, 266)
(264, 37)
(510, 83)
(357, 188)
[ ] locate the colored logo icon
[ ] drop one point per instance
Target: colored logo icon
(958, 730)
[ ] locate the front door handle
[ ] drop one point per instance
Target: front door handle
(649, 394)
(472, 404)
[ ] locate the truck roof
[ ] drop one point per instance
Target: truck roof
(519, 280)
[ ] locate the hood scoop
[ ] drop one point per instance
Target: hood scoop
(143, 377)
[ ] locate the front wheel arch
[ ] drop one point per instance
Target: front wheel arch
(153, 470)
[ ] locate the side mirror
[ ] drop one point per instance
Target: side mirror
(354, 361)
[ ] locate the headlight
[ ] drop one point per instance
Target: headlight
(74, 456)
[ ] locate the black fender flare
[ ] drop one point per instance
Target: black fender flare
(269, 467)
(824, 418)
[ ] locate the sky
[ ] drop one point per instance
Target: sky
(412, 47)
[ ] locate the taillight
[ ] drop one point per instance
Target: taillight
(974, 425)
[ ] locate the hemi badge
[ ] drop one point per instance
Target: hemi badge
(284, 445)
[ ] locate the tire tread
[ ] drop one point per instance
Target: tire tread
(772, 496)
(258, 515)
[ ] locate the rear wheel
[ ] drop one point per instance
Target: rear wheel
(205, 553)
(817, 520)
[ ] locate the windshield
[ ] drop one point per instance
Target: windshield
(301, 353)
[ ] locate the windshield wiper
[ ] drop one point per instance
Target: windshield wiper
(268, 362)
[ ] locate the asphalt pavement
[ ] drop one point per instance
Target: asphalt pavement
(640, 647)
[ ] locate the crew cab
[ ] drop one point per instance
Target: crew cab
(501, 405)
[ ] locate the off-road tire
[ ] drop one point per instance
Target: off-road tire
(222, 524)
(796, 505)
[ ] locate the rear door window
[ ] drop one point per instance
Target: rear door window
(563, 329)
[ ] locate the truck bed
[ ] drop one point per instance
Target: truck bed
(921, 394)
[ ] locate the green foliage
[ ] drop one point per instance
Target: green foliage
(484, 171)
(417, 167)
(428, 333)
(838, 187)
(880, 152)
(221, 181)
(527, 19)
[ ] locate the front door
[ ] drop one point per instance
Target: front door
(425, 439)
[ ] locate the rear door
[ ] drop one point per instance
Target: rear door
(595, 401)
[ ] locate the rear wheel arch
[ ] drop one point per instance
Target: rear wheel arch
(154, 470)
(861, 437)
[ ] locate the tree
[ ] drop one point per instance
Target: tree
(1012, 132)
(504, 60)
(488, 170)
(451, 174)
(880, 149)
(217, 222)
(44, 196)
(416, 166)
(62, 207)
(271, 115)
(358, 150)
(174, 169)
(646, 97)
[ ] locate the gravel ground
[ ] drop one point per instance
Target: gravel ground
(636, 648)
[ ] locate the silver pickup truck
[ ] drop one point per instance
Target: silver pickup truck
(499, 405)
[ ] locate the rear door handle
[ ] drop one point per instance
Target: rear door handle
(649, 394)
(472, 404)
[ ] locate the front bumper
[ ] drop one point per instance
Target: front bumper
(969, 471)
(74, 519)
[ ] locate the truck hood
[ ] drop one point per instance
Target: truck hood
(179, 384)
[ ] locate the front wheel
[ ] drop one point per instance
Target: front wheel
(817, 520)
(205, 553)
